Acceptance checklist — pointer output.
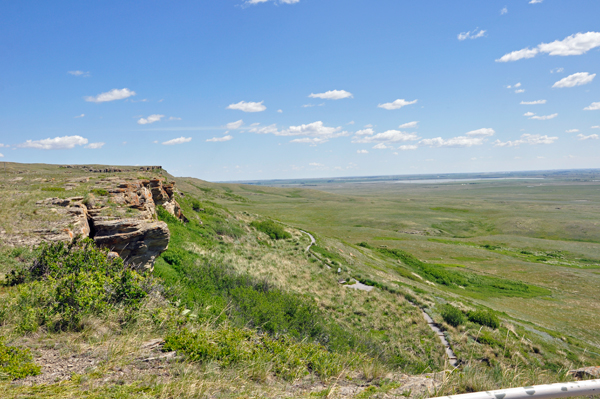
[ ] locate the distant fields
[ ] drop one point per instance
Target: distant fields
(541, 232)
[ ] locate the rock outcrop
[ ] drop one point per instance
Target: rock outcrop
(119, 215)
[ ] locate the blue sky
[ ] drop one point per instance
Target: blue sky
(231, 90)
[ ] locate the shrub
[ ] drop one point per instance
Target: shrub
(16, 363)
(100, 191)
(272, 229)
(453, 316)
(485, 318)
(486, 338)
(365, 245)
(69, 281)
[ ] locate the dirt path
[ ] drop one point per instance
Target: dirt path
(312, 240)
(451, 355)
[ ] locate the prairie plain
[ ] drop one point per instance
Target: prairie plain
(543, 231)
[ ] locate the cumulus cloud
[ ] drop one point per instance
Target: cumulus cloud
(315, 133)
(396, 104)
(332, 95)
(315, 164)
(95, 146)
(504, 11)
(57, 143)
(593, 107)
(150, 119)
(590, 137)
(234, 125)
(520, 91)
(531, 139)
(220, 139)
(484, 132)
(179, 140)
(248, 106)
(1, 155)
(365, 132)
(409, 125)
(460, 141)
(81, 74)
(3, 145)
(577, 79)
(114, 94)
(255, 2)
(312, 105)
(362, 151)
(576, 44)
(79, 116)
(596, 127)
(381, 146)
(280, 111)
(533, 102)
(572, 131)
(543, 117)
(557, 70)
(528, 114)
(408, 147)
(389, 136)
(535, 1)
(474, 34)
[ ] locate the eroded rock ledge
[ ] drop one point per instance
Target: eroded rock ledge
(117, 214)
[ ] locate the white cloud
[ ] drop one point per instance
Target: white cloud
(504, 11)
(471, 34)
(79, 116)
(350, 123)
(407, 147)
(179, 140)
(1, 155)
(150, 119)
(248, 106)
(280, 111)
(362, 151)
(577, 79)
(484, 132)
(3, 145)
(114, 94)
(365, 132)
(590, 137)
(396, 104)
(381, 146)
(518, 85)
(95, 146)
(57, 143)
(533, 102)
(315, 164)
(389, 136)
(528, 114)
(520, 91)
(572, 131)
(531, 139)
(593, 107)
(332, 95)
(174, 118)
(220, 139)
(535, 1)
(312, 105)
(409, 125)
(576, 44)
(544, 117)
(254, 2)
(460, 141)
(557, 70)
(255, 124)
(234, 125)
(79, 73)
(368, 126)
(315, 132)
(596, 127)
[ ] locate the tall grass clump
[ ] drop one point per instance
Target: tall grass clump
(272, 229)
(451, 315)
(485, 318)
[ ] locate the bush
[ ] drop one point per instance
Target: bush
(16, 363)
(453, 316)
(69, 281)
(485, 318)
(365, 245)
(272, 229)
(100, 191)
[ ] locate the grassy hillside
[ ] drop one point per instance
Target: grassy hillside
(237, 297)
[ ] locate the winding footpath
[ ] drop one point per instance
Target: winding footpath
(312, 240)
(451, 355)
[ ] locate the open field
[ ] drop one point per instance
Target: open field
(542, 232)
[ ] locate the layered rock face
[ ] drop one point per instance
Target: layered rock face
(123, 221)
